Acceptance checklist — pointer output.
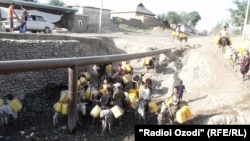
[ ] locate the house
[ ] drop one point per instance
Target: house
(87, 19)
(139, 13)
(60, 16)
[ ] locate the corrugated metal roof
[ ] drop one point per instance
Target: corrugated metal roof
(41, 6)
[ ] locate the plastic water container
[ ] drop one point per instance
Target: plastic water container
(1, 102)
(63, 95)
(108, 68)
(153, 108)
(128, 68)
(132, 91)
(95, 112)
(58, 107)
(183, 114)
(65, 108)
(117, 111)
(169, 100)
(82, 80)
(87, 75)
(241, 50)
(146, 61)
(180, 116)
(88, 95)
(187, 111)
(137, 91)
(102, 91)
(105, 86)
(15, 105)
(126, 78)
(132, 100)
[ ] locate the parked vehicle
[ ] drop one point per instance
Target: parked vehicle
(35, 23)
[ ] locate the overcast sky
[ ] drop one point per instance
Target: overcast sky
(211, 11)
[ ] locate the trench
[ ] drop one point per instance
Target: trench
(35, 119)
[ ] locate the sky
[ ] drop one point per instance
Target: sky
(211, 11)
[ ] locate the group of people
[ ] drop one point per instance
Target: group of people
(244, 67)
(110, 93)
(23, 18)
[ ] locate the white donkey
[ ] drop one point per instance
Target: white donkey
(5, 113)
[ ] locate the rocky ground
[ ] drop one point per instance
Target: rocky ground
(216, 94)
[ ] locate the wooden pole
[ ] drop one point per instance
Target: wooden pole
(72, 92)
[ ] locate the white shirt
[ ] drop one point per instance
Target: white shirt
(145, 94)
(224, 33)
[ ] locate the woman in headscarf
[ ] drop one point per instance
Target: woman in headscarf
(245, 64)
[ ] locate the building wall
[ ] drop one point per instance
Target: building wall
(68, 20)
(20, 84)
(81, 23)
(92, 15)
(133, 18)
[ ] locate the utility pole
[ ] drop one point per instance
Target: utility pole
(245, 22)
(100, 17)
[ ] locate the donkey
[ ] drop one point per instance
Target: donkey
(233, 59)
(81, 111)
(6, 113)
(107, 118)
(165, 115)
(223, 45)
(153, 64)
(141, 112)
(81, 108)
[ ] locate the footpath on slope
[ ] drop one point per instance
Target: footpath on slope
(214, 90)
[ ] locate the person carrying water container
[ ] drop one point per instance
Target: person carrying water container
(174, 105)
(119, 99)
(106, 100)
(224, 34)
(144, 95)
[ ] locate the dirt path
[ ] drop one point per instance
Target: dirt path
(212, 86)
(216, 94)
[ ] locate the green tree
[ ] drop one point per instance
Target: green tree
(194, 17)
(56, 2)
(173, 17)
(163, 18)
(238, 14)
(184, 17)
